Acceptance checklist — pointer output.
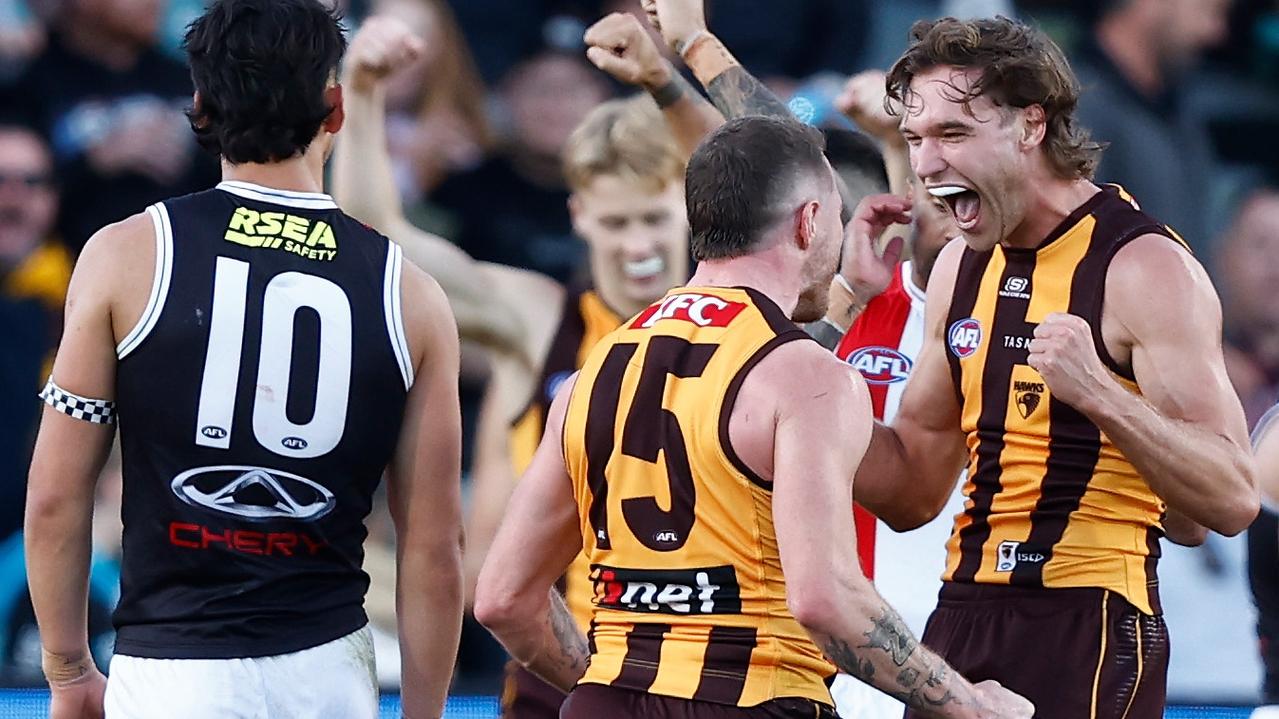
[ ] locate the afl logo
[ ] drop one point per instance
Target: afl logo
(964, 337)
(253, 493)
(213, 432)
(881, 365)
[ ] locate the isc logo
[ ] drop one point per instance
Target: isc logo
(964, 337)
(707, 590)
(881, 365)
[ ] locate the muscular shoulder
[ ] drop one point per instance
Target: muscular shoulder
(803, 376)
(428, 318)
(1155, 284)
(115, 271)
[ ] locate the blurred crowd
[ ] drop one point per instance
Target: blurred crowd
(92, 93)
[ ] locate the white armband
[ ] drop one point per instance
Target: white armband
(97, 411)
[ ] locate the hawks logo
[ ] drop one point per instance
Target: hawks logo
(964, 337)
(881, 365)
(1028, 396)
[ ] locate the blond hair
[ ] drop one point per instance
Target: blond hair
(627, 138)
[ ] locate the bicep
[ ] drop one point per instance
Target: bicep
(424, 481)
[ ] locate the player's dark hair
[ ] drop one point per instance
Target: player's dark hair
(740, 177)
(1020, 66)
(261, 68)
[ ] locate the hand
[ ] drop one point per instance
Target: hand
(80, 698)
(1000, 703)
(862, 101)
(383, 45)
(677, 20)
(866, 270)
(620, 46)
(1064, 354)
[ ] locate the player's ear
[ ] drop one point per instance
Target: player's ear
(337, 113)
(806, 225)
(1034, 126)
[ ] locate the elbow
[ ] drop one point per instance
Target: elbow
(813, 604)
(1238, 514)
(494, 609)
(914, 514)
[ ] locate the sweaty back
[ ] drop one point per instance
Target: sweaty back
(689, 599)
(260, 399)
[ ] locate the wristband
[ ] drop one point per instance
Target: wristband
(668, 94)
(707, 57)
(63, 671)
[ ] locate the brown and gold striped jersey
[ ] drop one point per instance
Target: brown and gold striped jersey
(585, 320)
(689, 599)
(1051, 501)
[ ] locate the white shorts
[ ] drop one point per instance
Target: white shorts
(336, 680)
(855, 699)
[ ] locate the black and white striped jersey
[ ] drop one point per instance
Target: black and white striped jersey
(260, 398)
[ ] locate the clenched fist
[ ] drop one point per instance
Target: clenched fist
(382, 45)
(620, 46)
(862, 101)
(1064, 354)
(678, 20)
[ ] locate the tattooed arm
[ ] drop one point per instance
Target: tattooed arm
(515, 597)
(821, 431)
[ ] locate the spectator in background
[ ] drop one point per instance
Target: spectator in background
(111, 105)
(511, 209)
(34, 271)
(1132, 68)
(1247, 263)
(437, 120)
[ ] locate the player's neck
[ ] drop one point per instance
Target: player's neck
(1047, 206)
(295, 174)
(761, 272)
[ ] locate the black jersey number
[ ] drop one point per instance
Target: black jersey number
(650, 430)
(286, 294)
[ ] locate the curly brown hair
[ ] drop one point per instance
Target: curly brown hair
(1020, 66)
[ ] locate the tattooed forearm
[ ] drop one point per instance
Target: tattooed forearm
(564, 658)
(737, 93)
(892, 661)
(892, 635)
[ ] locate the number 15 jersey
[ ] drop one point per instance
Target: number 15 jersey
(689, 599)
(260, 398)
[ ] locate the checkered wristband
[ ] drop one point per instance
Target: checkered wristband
(97, 411)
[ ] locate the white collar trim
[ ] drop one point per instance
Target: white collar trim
(287, 198)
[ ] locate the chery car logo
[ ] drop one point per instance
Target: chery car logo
(253, 493)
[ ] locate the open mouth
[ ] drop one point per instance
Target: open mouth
(645, 269)
(964, 204)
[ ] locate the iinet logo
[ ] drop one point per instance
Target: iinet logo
(701, 310)
(708, 590)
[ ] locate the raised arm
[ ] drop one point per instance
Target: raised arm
(911, 467)
(620, 46)
(1185, 433)
(70, 453)
(424, 492)
(822, 428)
(516, 597)
(364, 186)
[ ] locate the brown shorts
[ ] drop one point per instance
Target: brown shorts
(591, 701)
(1073, 652)
(524, 696)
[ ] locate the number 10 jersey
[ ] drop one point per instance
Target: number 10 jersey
(689, 599)
(260, 398)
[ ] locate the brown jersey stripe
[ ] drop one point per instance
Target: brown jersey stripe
(643, 654)
(727, 662)
(590, 638)
(972, 267)
(1152, 569)
(730, 398)
(996, 377)
(561, 355)
(773, 314)
(601, 416)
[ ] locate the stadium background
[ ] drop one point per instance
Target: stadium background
(475, 129)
